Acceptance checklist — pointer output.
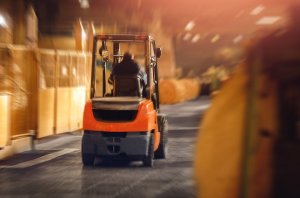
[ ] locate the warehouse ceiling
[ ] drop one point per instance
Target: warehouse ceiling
(201, 28)
(206, 16)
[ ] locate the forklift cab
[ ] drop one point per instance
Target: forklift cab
(109, 51)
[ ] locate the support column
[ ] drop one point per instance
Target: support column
(19, 27)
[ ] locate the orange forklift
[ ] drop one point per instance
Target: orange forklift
(119, 120)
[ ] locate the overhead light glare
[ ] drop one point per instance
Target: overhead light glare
(238, 39)
(2, 21)
(215, 38)
(84, 4)
(257, 10)
(74, 71)
(189, 26)
(195, 38)
(187, 36)
(64, 71)
(83, 35)
(269, 20)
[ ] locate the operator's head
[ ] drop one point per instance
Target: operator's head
(127, 56)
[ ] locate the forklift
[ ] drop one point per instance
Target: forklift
(123, 119)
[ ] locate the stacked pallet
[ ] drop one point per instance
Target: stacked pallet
(174, 91)
(17, 78)
(5, 35)
(191, 88)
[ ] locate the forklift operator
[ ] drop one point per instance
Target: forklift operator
(128, 66)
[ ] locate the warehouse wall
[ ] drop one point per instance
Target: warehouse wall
(32, 85)
(57, 42)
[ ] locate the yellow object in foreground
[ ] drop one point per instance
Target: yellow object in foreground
(219, 145)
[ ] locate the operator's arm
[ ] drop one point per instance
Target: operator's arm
(111, 78)
(143, 76)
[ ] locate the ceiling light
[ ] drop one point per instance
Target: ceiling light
(83, 35)
(269, 20)
(84, 4)
(196, 38)
(257, 10)
(189, 26)
(2, 21)
(187, 36)
(215, 38)
(238, 39)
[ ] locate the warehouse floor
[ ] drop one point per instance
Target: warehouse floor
(55, 168)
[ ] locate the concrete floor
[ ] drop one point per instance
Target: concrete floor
(54, 168)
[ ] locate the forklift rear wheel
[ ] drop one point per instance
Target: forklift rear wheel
(148, 160)
(88, 159)
(161, 152)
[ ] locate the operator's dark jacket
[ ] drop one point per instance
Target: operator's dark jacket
(128, 67)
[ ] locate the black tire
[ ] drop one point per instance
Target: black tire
(162, 151)
(148, 160)
(88, 159)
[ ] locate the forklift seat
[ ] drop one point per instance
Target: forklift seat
(128, 85)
